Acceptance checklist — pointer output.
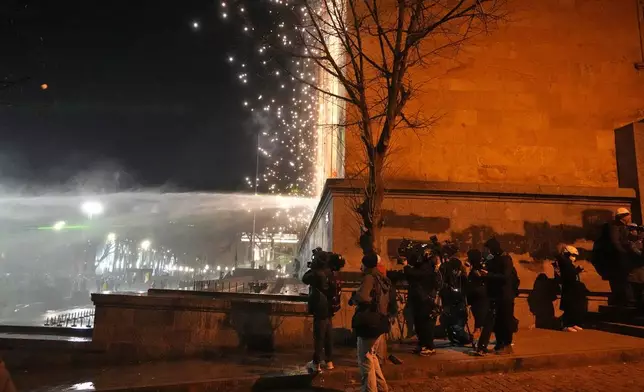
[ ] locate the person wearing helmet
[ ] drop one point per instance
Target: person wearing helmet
(612, 254)
(574, 301)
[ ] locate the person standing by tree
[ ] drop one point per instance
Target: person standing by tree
(374, 307)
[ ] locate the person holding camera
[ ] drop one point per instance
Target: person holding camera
(574, 301)
(423, 278)
(476, 291)
(502, 284)
(323, 288)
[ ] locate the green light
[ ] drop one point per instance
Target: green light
(66, 227)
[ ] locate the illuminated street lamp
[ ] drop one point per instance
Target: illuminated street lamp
(111, 237)
(58, 226)
(91, 208)
(218, 268)
(145, 244)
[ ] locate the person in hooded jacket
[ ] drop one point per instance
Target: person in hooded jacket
(574, 300)
(375, 305)
(424, 283)
(501, 282)
(320, 280)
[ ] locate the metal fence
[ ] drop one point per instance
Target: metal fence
(81, 319)
(227, 286)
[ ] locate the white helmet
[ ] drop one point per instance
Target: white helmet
(571, 250)
(622, 211)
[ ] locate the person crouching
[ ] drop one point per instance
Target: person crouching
(574, 301)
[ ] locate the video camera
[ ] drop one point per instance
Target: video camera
(322, 259)
(416, 251)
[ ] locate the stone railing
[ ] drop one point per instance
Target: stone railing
(179, 324)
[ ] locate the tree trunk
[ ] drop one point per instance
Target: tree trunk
(371, 208)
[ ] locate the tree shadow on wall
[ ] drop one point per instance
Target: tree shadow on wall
(539, 241)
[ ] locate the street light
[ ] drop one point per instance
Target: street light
(58, 226)
(91, 208)
(218, 268)
(111, 237)
(145, 244)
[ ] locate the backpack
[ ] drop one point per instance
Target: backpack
(370, 323)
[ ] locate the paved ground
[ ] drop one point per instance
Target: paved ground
(605, 378)
(535, 349)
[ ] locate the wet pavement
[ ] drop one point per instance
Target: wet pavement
(530, 347)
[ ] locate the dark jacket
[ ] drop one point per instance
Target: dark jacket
(320, 293)
(573, 291)
(476, 289)
(501, 281)
(375, 303)
(621, 249)
(424, 284)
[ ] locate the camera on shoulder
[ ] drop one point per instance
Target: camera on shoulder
(321, 259)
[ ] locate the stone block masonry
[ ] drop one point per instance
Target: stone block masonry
(149, 327)
(529, 221)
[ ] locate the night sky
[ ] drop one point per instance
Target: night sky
(133, 88)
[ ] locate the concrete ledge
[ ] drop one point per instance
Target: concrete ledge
(520, 191)
(180, 301)
(184, 325)
(226, 296)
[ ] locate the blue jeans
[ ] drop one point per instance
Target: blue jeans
(371, 376)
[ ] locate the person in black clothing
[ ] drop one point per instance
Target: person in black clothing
(612, 255)
(453, 296)
(476, 291)
(320, 280)
(574, 300)
(502, 283)
(636, 275)
(423, 278)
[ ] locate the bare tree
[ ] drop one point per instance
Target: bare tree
(372, 55)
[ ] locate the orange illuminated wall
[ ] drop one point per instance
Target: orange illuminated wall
(534, 102)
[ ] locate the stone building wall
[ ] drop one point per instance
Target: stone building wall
(534, 102)
(529, 221)
(320, 233)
